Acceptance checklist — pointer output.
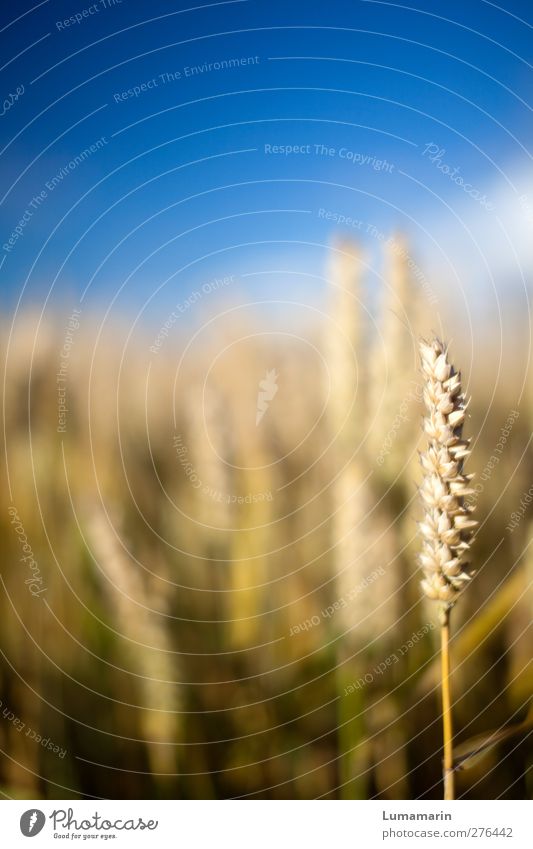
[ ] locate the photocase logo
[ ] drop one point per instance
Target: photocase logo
(267, 389)
(32, 822)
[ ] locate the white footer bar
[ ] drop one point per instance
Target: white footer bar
(267, 824)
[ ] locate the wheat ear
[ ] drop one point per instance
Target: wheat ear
(448, 527)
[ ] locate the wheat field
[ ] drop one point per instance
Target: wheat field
(209, 573)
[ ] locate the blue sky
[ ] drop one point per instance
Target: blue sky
(185, 186)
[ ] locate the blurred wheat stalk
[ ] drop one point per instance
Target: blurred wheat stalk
(146, 641)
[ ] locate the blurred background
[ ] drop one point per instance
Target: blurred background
(224, 230)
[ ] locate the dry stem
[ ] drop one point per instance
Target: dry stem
(446, 703)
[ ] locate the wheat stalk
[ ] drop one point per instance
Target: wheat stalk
(361, 529)
(448, 527)
(147, 644)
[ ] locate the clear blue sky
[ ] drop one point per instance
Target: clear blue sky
(181, 188)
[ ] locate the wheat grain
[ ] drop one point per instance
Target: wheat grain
(448, 526)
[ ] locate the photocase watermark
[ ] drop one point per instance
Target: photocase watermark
(340, 219)
(88, 12)
(337, 605)
(30, 733)
(518, 515)
(84, 828)
(268, 388)
(435, 155)
(23, 222)
(35, 581)
(65, 824)
(32, 822)
(61, 376)
(187, 71)
(400, 417)
(79, 159)
(494, 459)
(353, 156)
(393, 658)
(365, 227)
(11, 99)
(184, 306)
(216, 494)
(401, 250)
(40, 197)
(527, 209)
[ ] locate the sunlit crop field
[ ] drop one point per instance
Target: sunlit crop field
(210, 585)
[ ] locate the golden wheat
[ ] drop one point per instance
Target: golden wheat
(448, 526)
